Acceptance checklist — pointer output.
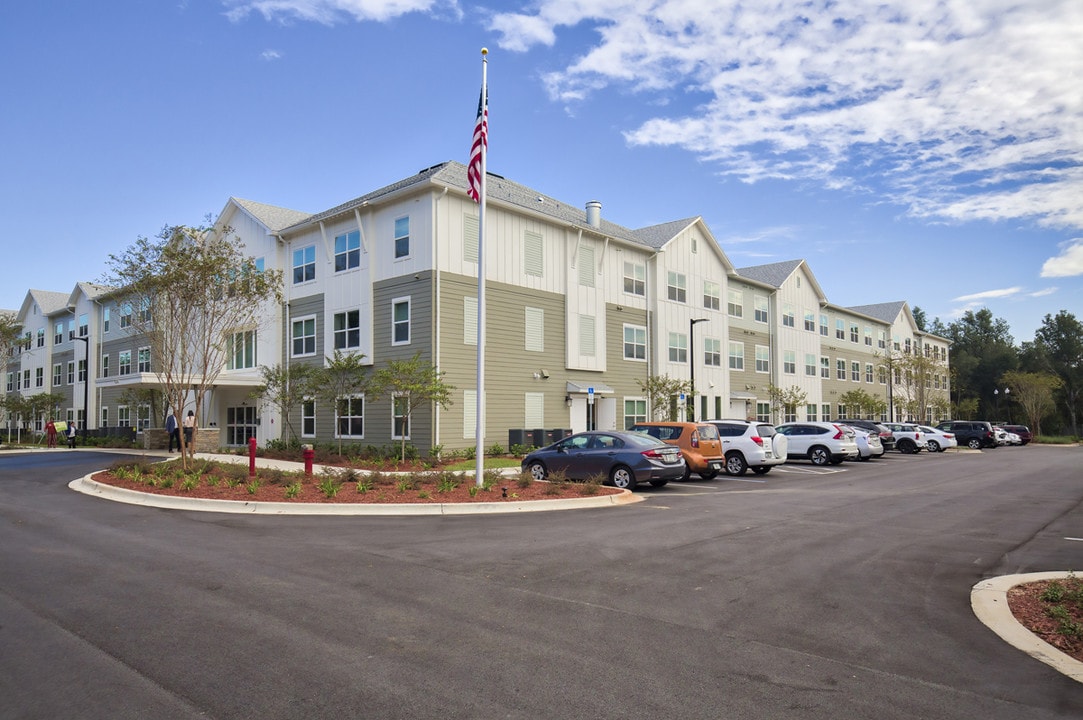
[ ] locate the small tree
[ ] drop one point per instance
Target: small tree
(1034, 394)
(188, 292)
(9, 330)
(344, 376)
(660, 391)
(284, 388)
(785, 399)
(137, 397)
(412, 384)
(860, 403)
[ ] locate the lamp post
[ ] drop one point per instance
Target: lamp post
(86, 387)
(1008, 403)
(692, 366)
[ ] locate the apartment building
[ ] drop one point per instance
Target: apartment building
(580, 312)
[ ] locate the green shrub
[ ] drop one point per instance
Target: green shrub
(329, 486)
(253, 486)
(293, 490)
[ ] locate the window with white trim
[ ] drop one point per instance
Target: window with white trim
(350, 417)
(854, 333)
(788, 317)
(735, 303)
(104, 366)
(71, 374)
(868, 372)
(712, 352)
(241, 350)
(308, 418)
(402, 237)
(840, 329)
(840, 369)
(810, 321)
(810, 412)
(39, 375)
(855, 371)
(400, 321)
(635, 278)
(737, 356)
(82, 371)
(348, 251)
(823, 325)
(712, 295)
(303, 336)
(763, 359)
(825, 367)
(124, 416)
(400, 417)
(810, 365)
(635, 411)
(635, 342)
(789, 362)
(761, 308)
(143, 360)
(678, 348)
(304, 266)
(58, 375)
(58, 333)
(347, 330)
(676, 286)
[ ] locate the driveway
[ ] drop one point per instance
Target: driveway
(842, 594)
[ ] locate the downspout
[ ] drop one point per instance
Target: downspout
(436, 324)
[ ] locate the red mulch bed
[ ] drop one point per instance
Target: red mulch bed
(383, 488)
(1032, 612)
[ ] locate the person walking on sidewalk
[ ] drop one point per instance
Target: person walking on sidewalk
(189, 428)
(173, 430)
(71, 435)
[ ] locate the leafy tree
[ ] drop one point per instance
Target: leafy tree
(860, 403)
(785, 399)
(137, 397)
(412, 384)
(9, 330)
(982, 351)
(1033, 392)
(188, 291)
(344, 376)
(1060, 338)
(919, 318)
(912, 376)
(661, 392)
(284, 388)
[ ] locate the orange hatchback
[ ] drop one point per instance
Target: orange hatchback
(699, 444)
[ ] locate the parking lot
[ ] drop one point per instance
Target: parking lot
(834, 592)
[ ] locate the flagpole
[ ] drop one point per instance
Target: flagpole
(479, 414)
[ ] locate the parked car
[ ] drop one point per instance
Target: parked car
(886, 438)
(975, 434)
(1013, 439)
(907, 437)
(1025, 436)
(750, 444)
(623, 458)
(698, 442)
(819, 442)
(937, 440)
(1002, 435)
(868, 443)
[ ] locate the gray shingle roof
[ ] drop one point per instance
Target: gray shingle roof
(773, 274)
(274, 217)
(888, 312)
(656, 236)
(50, 301)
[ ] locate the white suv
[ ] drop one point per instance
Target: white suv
(908, 437)
(750, 444)
(819, 442)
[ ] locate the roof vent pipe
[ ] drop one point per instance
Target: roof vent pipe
(594, 214)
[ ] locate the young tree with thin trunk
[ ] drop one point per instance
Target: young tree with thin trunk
(1033, 392)
(412, 384)
(187, 291)
(284, 388)
(661, 391)
(345, 380)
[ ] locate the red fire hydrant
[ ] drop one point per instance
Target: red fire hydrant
(309, 455)
(251, 457)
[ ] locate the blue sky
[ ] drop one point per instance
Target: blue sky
(928, 150)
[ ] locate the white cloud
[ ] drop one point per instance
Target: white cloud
(270, 55)
(987, 294)
(1068, 263)
(959, 110)
(1044, 292)
(330, 12)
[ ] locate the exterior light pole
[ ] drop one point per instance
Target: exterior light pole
(86, 387)
(692, 366)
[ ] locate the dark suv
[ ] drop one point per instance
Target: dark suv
(887, 439)
(975, 434)
(1022, 431)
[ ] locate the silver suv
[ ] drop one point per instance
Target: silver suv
(750, 444)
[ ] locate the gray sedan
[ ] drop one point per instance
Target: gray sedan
(623, 458)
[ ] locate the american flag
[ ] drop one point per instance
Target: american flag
(480, 144)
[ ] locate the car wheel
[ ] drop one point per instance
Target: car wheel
(762, 470)
(819, 455)
(659, 483)
(621, 476)
(837, 461)
(735, 464)
(709, 475)
(687, 472)
(974, 444)
(864, 458)
(906, 446)
(933, 446)
(537, 471)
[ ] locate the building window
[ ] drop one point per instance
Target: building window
(635, 411)
(881, 374)
(105, 321)
(678, 348)
(347, 330)
(676, 287)
(400, 417)
(737, 356)
(71, 375)
(39, 374)
(308, 418)
(763, 359)
(881, 341)
(402, 237)
(104, 366)
(826, 412)
(635, 342)
(868, 336)
(763, 412)
(124, 416)
(810, 321)
(105, 417)
(348, 251)
(304, 266)
(853, 333)
(241, 350)
(304, 337)
(84, 326)
(71, 332)
(825, 367)
(712, 352)
(41, 337)
(823, 325)
(712, 295)
(810, 365)
(533, 254)
(11, 382)
(789, 362)
(810, 413)
(350, 417)
(855, 371)
(142, 417)
(788, 317)
(840, 329)
(400, 321)
(143, 358)
(58, 376)
(534, 329)
(635, 278)
(734, 303)
(761, 305)
(126, 317)
(58, 333)
(82, 372)
(840, 369)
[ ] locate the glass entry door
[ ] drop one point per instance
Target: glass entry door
(240, 424)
